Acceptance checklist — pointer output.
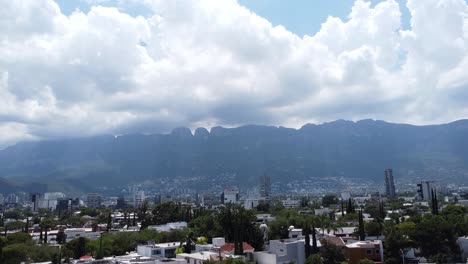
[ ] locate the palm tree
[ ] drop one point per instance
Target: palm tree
(324, 223)
(334, 226)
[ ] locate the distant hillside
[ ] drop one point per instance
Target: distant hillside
(360, 149)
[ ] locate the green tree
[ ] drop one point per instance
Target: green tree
(3, 243)
(18, 238)
(15, 214)
(434, 203)
(179, 250)
(373, 228)
(331, 254)
(393, 243)
(142, 211)
(16, 253)
(350, 207)
(314, 259)
(77, 247)
(435, 235)
(366, 261)
(362, 234)
(167, 212)
(239, 226)
(202, 240)
(61, 237)
(329, 199)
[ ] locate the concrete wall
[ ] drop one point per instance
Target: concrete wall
(264, 258)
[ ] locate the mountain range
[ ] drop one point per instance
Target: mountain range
(354, 150)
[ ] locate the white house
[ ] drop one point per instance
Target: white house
(169, 226)
(73, 233)
(463, 244)
(161, 250)
(282, 252)
(198, 257)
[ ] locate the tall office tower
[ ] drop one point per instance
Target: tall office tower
(389, 184)
(265, 186)
(424, 190)
(94, 200)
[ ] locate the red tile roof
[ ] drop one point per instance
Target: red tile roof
(228, 247)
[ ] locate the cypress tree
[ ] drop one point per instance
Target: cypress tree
(109, 222)
(134, 219)
(350, 208)
(40, 233)
(45, 235)
(100, 255)
(381, 210)
(362, 235)
(434, 204)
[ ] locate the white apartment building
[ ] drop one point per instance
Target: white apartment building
(138, 198)
(291, 203)
(161, 250)
(230, 195)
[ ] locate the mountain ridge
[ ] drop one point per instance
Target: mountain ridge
(361, 149)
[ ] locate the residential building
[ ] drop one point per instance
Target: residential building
(357, 251)
(11, 200)
(265, 218)
(138, 198)
(252, 202)
(228, 249)
(207, 199)
(230, 195)
(65, 204)
(324, 211)
(463, 244)
(169, 226)
(93, 200)
(73, 233)
(291, 203)
(200, 257)
(282, 252)
(294, 232)
(135, 258)
(161, 250)
(424, 190)
(389, 184)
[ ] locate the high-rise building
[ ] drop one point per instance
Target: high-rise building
(265, 186)
(230, 195)
(138, 198)
(389, 184)
(66, 204)
(424, 190)
(93, 200)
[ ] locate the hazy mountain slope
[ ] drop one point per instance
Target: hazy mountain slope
(342, 148)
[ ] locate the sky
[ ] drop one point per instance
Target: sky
(88, 67)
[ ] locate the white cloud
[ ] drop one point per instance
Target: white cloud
(211, 62)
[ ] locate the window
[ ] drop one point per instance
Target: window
(368, 251)
(377, 251)
(156, 252)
